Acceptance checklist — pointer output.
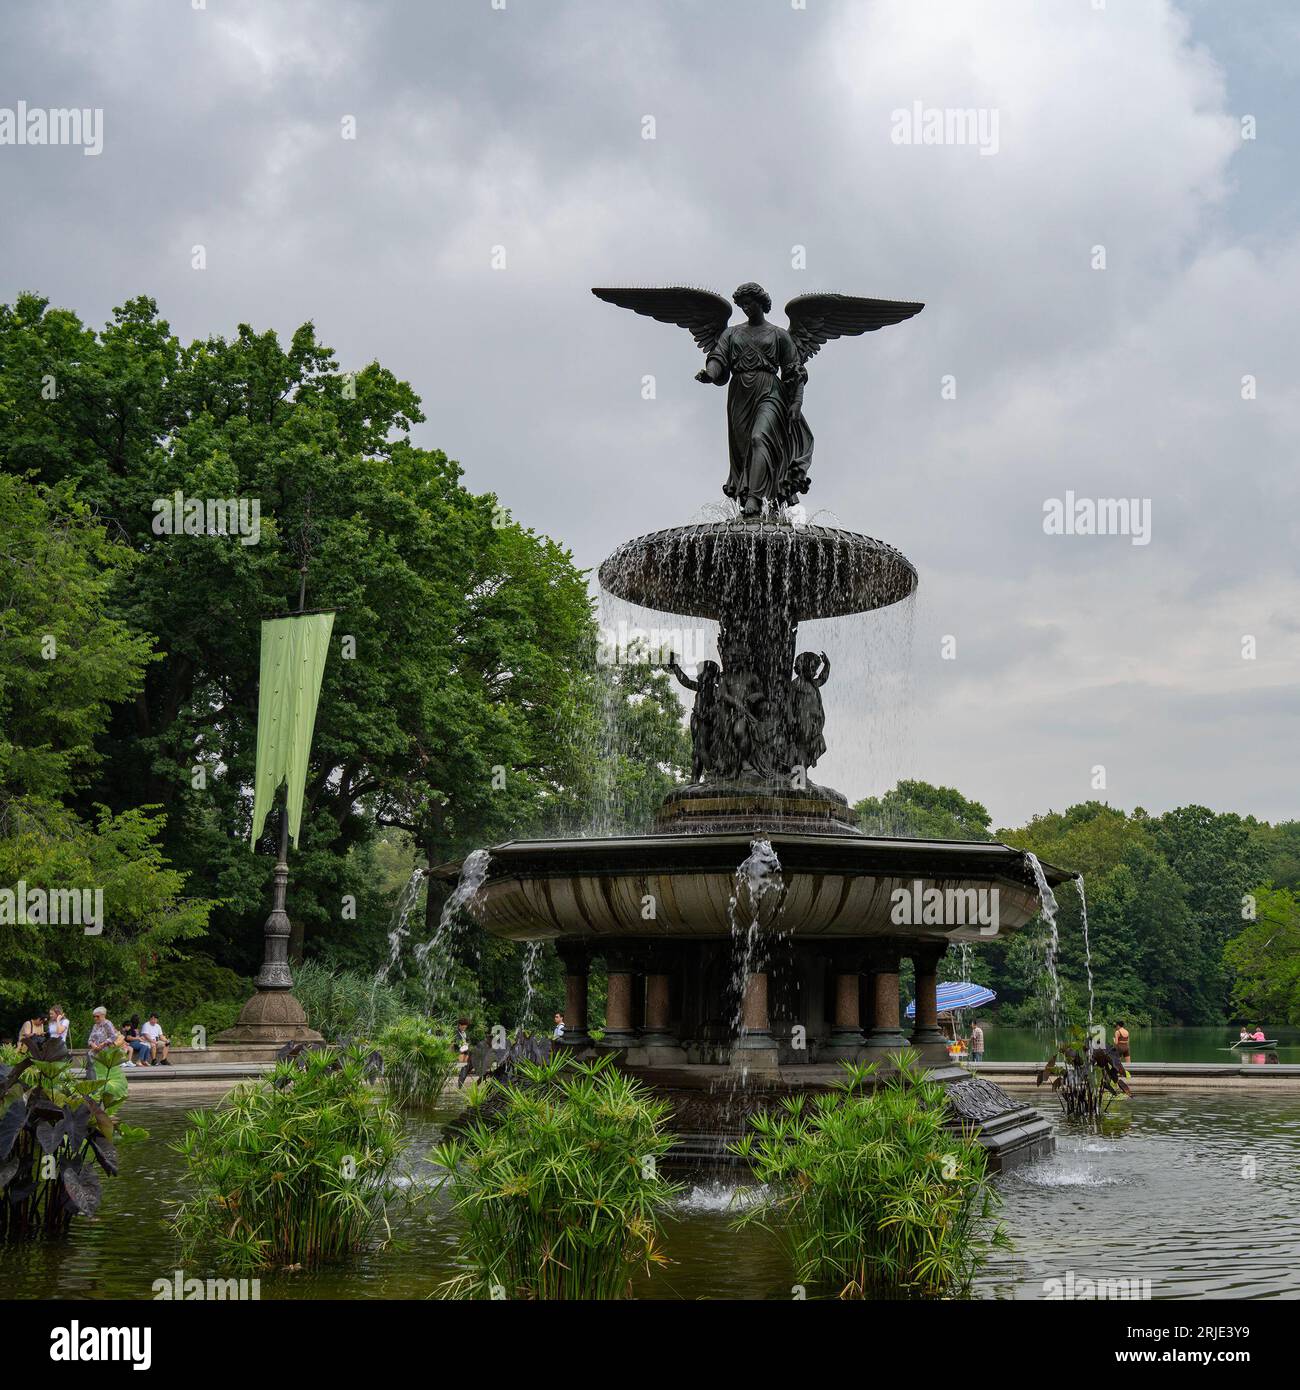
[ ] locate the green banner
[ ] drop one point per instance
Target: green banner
(293, 664)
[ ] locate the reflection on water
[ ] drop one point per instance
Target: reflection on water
(1165, 1193)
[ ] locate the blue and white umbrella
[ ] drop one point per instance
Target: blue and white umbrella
(958, 994)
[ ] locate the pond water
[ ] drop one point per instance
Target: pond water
(1146, 1044)
(1199, 1194)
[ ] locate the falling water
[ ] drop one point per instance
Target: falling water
(1087, 947)
(434, 958)
(757, 878)
(531, 956)
(965, 962)
(1048, 910)
(406, 901)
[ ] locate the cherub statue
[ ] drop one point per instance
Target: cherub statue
(764, 367)
(706, 713)
(807, 717)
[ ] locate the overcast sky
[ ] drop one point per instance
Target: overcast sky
(523, 127)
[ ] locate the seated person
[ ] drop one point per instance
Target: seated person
(158, 1041)
(1245, 1035)
(1258, 1034)
(33, 1027)
(57, 1026)
(139, 1045)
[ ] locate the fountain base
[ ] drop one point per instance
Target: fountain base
(746, 804)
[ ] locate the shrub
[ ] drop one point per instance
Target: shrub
(53, 1122)
(418, 1061)
(874, 1197)
(344, 1004)
(296, 1168)
(557, 1178)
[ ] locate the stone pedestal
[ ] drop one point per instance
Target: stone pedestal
(755, 1049)
(577, 964)
(270, 1016)
(846, 1038)
(886, 1034)
(619, 1028)
(928, 1039)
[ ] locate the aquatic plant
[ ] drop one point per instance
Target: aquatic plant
(418, 1062)
(872, 1194)
(346, 1004)
(1086, 1076)
(295, 1168)
(57, 1132)
(556, 1175)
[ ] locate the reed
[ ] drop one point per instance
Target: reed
(294, 1169)
(871, 1193)
(557, 1177)
(418, 1062)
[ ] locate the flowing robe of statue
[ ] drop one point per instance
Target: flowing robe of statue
(770, 443)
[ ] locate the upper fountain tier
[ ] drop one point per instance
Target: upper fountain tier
(711, 569)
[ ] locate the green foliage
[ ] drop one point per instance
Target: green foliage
(344, 1004)
(916, 809)
(296, 1168)
(1265, 957)
(146, 915)
(418, 1062)
(558, 1183)
(872, 1193)
(53, 1123)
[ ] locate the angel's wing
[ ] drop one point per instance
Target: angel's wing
(704, 313)
(817, 318)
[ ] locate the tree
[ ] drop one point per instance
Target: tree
(924, 811)
(1265, 957)
(64, 660)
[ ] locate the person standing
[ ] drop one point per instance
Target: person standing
(462, 1051)
(558, 1032)
(976, 1041)
(1121, 1040)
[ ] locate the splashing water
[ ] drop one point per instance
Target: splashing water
(435, 957)
(531, 955)
(1048, 910)
(1087, 946)
(406, 901)
(757, 878)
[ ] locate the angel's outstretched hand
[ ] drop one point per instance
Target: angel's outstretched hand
(703, 375)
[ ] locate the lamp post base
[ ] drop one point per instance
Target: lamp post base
(271, 1016)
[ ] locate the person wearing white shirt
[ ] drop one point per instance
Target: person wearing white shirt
(57, 1024)
(152, 1032)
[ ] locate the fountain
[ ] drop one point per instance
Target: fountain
(757, 933)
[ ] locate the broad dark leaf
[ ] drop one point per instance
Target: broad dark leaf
(82, 1188)
(20, 1192)
(11, 1124)
(47, 1137)
(7, 1173)
(105, 1151)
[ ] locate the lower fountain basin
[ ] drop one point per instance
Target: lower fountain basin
(835, 886)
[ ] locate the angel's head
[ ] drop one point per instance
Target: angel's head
(752, 295)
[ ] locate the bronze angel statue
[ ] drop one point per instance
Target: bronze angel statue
(764, 367)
